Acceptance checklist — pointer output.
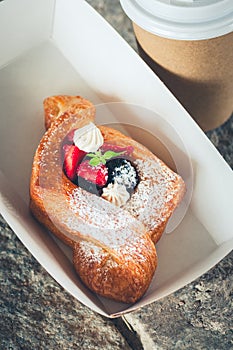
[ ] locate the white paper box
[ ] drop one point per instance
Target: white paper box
(64, 47)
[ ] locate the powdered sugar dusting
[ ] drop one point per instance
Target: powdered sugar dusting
(149, 202)
(133, 250)
(102, 220)
(91, 218)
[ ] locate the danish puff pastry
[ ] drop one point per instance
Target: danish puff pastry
(105, 195)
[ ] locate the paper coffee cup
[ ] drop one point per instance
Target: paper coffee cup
(189, 45)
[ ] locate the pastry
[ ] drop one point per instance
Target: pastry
(105, 195)
(55, 106)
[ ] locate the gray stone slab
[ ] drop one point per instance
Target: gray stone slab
(199, 316)
(37, 313)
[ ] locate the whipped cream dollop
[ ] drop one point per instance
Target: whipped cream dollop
(116, 194)
(88, 138)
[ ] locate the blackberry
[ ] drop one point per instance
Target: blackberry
(123, 172)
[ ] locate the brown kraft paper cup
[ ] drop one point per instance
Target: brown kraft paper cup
(198, 72)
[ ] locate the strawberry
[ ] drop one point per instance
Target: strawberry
(72, 157)
(97, 175)
(128, 150)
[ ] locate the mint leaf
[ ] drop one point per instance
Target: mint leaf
(97, 157)
(94, 161)
(111, 154)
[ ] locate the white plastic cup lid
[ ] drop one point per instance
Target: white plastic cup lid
(182, 19)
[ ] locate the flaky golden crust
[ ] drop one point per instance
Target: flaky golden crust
(126, 277)
(113, 249)
(56, 106)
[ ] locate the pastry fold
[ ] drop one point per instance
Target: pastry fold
(113, 247)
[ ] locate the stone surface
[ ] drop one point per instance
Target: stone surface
(199, 316)
(36, 313)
